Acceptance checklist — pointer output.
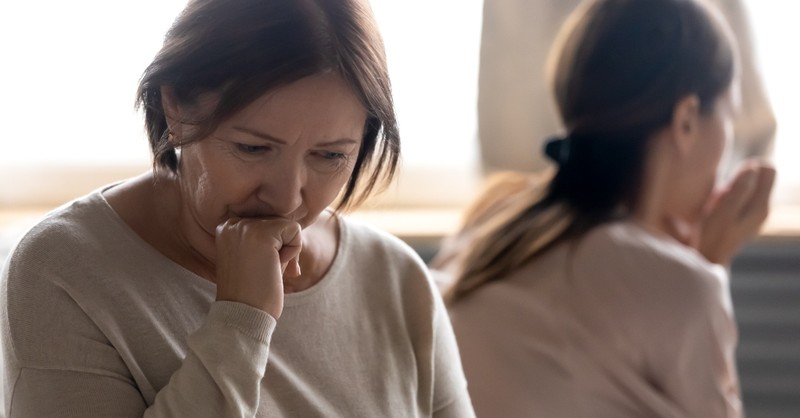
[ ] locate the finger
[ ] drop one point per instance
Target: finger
(279, 232)
(289, 253)
(291, 242)
(292, 268)
(226, 225)
(291, 235)
(713, 200)
(739, 193)
(757, 208)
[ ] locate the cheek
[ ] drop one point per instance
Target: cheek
(725, 145)
(323, 189)
(326, 187)
(201, 191)
(197, 188)
(210, 186)
(716, 143)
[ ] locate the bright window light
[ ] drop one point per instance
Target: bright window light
(71, 69)
(433, 52)
(775, 31)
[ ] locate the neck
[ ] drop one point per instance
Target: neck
(658, 208)
(320, 242)
(192, 247)
(651, 209)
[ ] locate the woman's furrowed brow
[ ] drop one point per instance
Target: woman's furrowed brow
(272, 138)
(263, 135)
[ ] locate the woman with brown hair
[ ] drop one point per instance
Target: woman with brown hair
(601, 291)
(219, 283)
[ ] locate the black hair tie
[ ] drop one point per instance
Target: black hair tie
(558, 149)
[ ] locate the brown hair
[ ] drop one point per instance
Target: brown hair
(619, 68)
(240, 49)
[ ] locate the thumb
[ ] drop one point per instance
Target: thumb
(290, 249)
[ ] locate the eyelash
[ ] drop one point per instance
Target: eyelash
(251, 149)
(260, 149)
(333, 156)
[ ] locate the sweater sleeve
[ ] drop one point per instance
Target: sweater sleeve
(460, 408)
(220, 376)
(78, 302)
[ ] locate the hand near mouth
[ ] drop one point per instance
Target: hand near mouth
(254, 255)
(733, 215)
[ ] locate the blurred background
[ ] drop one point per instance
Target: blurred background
(471, 97)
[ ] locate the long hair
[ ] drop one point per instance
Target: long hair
(617, 70)
(240, 49)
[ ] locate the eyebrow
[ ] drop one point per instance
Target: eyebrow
(267, 137)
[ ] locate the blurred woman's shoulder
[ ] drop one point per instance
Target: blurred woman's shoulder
(656, 271)
(627, 240)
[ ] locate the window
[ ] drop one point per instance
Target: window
(70, 71)
(774, 30)
(70, 75)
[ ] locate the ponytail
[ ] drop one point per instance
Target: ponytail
(619, 68)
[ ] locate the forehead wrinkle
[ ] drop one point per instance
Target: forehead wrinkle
(272, 138)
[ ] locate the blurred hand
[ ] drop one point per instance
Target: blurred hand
(253, 257)
(734, 214)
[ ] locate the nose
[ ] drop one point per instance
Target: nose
(282, 187)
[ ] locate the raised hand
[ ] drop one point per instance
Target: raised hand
(736, 213)
(253, 257)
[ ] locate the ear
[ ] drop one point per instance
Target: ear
(685, 124)
(172, 111)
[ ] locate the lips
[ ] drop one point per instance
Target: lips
(295, 217)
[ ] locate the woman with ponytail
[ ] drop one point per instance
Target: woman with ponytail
(601, 290)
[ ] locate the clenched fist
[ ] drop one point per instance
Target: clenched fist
(253, 256)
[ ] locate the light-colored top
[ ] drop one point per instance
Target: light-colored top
(621, 324)
(96, 323)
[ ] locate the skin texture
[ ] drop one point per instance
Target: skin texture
(681, 195)
(734, 214)
(247, 209)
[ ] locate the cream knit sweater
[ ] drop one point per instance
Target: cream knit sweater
(96, 323)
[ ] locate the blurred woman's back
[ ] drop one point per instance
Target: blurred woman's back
(601, 291)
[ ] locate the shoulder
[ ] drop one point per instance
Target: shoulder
(38, 285)
(626, 246)
(370, 244)
(61, 254)
(60, 235)
(658, 271)
(387, 265)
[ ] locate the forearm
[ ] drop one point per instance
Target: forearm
(220, 376)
